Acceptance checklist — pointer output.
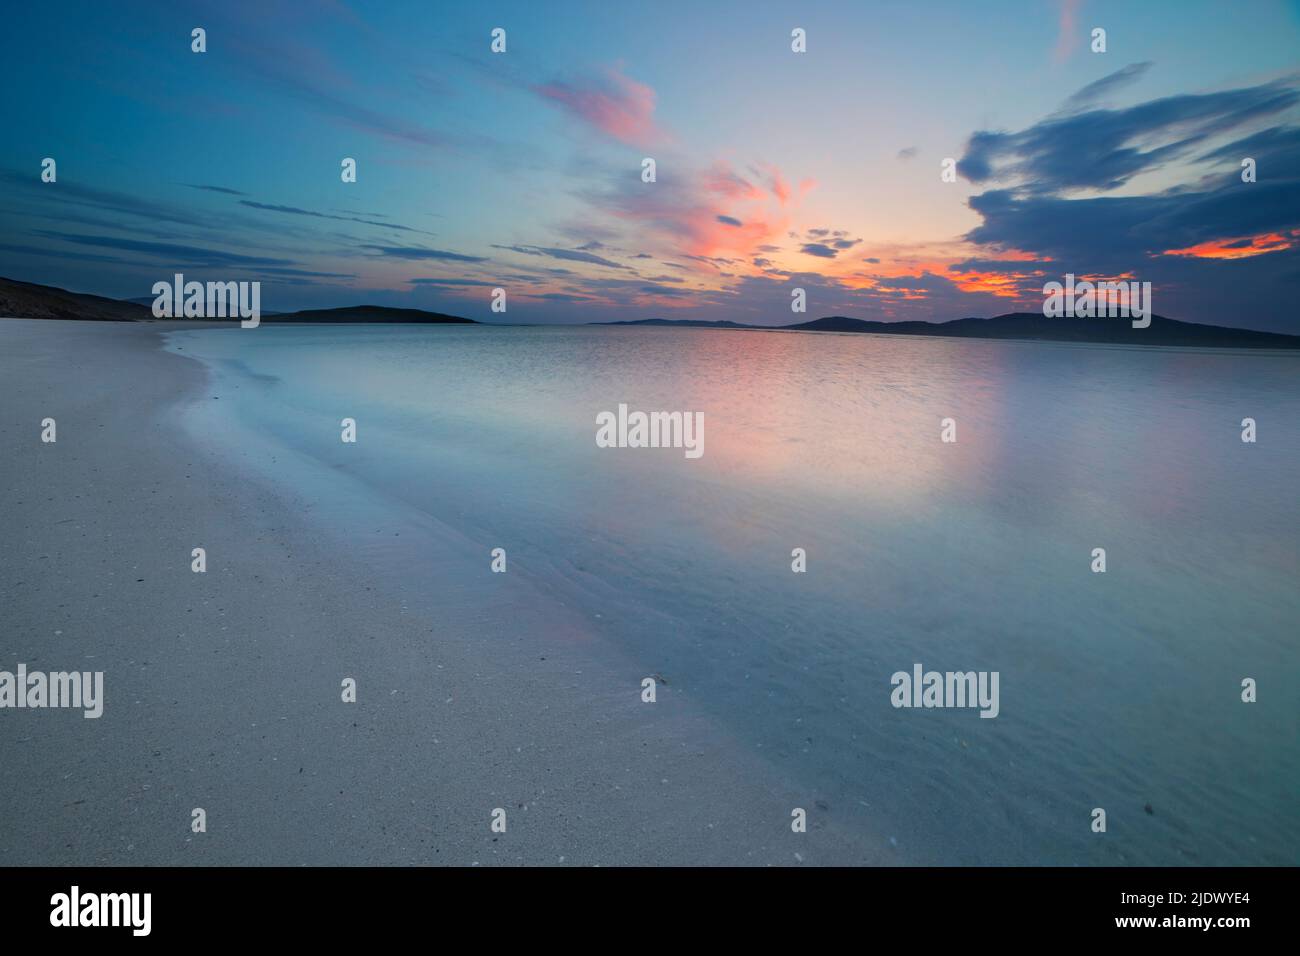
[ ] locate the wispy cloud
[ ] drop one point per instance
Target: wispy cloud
(1100, 89)
(572, 255)
(1067, 30)
(216, 189)
(610, 102)
(295, 211)
(417, 253)
(167, 251)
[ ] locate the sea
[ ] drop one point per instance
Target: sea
(1120, 690)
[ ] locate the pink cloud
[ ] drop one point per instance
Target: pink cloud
(615, 104)
(774, 181)
(1067, 35)
(714, 212)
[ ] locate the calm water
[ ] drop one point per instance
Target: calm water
(1118, 690)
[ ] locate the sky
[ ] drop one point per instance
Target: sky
(774, 170)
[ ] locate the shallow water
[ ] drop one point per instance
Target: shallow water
(1118, 690)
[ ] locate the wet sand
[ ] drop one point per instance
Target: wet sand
(223, 689)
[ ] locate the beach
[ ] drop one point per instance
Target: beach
(476, 691)
(223, 689)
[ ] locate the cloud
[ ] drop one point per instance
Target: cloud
(712, 211)
(656, 289)
(571, 255)
(825, 243)
(1274, 149)
(908, 152)
(1100, 89)
(1104, 149)
(558, 296)
(818, 249)
(73, 193)
(427, 280)
(167, 251)
(1067, 30)
(610, 102)
(774, 181)
(306, 73)
(216, 189)
(72, 254)
(307, 273)
(418, 253)
(295, 211)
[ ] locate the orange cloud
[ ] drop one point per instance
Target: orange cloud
(1238, 248)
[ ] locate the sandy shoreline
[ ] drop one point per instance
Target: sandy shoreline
(222, 690)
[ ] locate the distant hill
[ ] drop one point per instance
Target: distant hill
(367, 313)
(26, 300)
(687, 323)
(1035, 326)
(1030, 326)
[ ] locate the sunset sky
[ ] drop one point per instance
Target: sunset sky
(775, 170)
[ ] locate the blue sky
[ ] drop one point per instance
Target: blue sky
(522, 170)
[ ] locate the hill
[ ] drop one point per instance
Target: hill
(26, 300)
(1034, 326)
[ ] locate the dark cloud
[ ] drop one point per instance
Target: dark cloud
(1276, 149)
(664, 290)
(216, 189)
(1104, 149)
(304, 273)
(426, 280)
(296, 211)
(101, 199)
(572, 255)
(418, 252)
(729, 221)
(72, 254)
(560, 297)
(818, 249)
(167, 251)
(1040, 212)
